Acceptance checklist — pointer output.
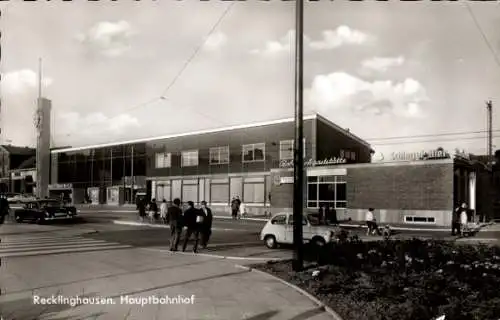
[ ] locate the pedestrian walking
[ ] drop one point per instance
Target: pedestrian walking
(141, 208)
(370, 221)
(206, 230)
(193, 220)
(163, 211)
(153, 211)
(4, 208)
(174, 219)
(323, 214)
(455, 221)
(242, 210)
(331, 217)
(235, 206)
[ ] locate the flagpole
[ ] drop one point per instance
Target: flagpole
(298, 186)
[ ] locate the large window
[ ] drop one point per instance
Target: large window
(190, 191)
(329, 190)
(189, 158)
(254, 152)
(219, 191)
(163, 160)
(219, 155)
(254, 190)
(286, 149)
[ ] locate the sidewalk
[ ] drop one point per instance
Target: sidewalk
(219, 289)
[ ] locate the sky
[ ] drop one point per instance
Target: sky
(381, 69)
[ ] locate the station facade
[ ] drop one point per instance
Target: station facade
(255, 162)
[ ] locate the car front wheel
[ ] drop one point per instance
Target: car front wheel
(318, 241)
(270, 242)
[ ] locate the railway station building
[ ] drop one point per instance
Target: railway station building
(255, 162)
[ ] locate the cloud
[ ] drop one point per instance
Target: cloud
(342, 90)
(21, 81)
(343, 35)
(111, 39)
(331, 39)
(215, 41)
(94, 124)
(382, 64)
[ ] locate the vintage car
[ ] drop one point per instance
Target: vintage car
(44, 210)
(279, 230)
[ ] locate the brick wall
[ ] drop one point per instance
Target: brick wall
(401, 187)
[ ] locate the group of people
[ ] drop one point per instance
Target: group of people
(196, 221)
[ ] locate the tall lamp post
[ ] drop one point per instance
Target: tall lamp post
(298, 185)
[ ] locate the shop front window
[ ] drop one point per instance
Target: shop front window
(330, 190)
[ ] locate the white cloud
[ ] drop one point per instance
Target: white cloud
(92, 125)
(343, 35)
(341, 90)
(215, 41)
(110, 39)
(332, 39)
(21, 81)
(382, 64)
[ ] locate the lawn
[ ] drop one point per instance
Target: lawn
(402, 280)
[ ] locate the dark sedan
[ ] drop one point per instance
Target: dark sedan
(44, 210)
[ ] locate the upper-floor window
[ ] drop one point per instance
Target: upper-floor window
(254, 152)
(286, 149)
(189, 158)
(219, 155)
(163, 160)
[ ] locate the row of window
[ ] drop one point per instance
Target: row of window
(255, 152)
(250, 190)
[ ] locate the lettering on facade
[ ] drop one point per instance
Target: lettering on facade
(428, 155)
(314, 163)
(61, 186)
(284, 180)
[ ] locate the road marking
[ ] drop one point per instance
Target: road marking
(208, 255)
(28, 245)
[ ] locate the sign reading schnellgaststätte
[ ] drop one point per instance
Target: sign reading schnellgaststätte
(313, 163)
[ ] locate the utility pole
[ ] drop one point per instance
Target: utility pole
(39, 127)
(489, 108)
(132, 199)
(298, 186)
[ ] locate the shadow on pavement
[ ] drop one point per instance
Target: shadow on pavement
(309, 314)
(93, 316)
(25, 308)
(110, 276)
(264, 316)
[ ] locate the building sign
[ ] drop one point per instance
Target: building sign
(424, 155)
(286, 180)
(313, 163)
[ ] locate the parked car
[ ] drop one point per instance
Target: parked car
(44, 210)
(279, 230)
(15, 198)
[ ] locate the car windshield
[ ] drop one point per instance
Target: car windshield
(50, 204)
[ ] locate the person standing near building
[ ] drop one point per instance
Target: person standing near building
(455, 221)
(323, 214)
(174, 219)
(235, 206)
(464, 219)
(369, 218)
(163, 211)
(242, 210)
(4, 208)
(141, 208)
(153, 211)
(206, 231)
(193, 219)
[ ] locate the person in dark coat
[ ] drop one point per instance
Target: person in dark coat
(235, 207)
(141, 207)
(206, 231)
(193, 220)
(323, 214)
(455, 221)
(331, 217)
(174, 219)
(4, 208)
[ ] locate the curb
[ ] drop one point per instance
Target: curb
(315, 300)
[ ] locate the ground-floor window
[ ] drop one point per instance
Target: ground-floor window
(163, 191)
(190, 191)
(254, 190)
(219, 191)
(329, 190)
